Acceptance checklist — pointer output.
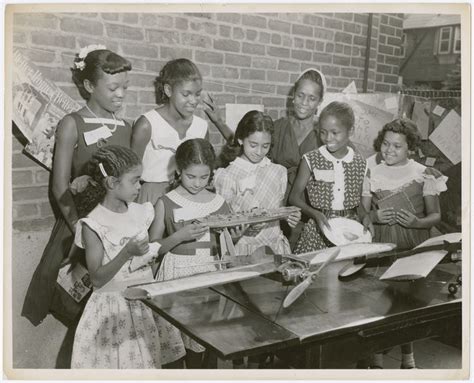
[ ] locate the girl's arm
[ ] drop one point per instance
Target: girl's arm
(101, 274)
(65, 141)
(141, 136)
(157, 230)
(432, 217)
(297, 197)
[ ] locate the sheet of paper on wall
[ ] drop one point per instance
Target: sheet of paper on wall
(391, 103)
(350, 89)
(235, 112)
(447, 137)
(438, 110)
(421, 117)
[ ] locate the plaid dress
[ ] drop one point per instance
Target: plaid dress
(245, 186)
(335, 185)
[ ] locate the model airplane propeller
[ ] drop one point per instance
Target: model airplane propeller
(309, 277)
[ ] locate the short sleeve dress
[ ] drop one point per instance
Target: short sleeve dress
(245, 186)
(44, 295)
(114, 332)
(402, 187)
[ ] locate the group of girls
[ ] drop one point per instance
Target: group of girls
(124, 192)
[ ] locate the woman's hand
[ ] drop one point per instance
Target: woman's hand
(137, 247)
(294, 218)
(406, 218)
(386, 216)
(192, 231)
(321, 220)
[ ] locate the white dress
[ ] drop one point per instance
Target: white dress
(114, 332)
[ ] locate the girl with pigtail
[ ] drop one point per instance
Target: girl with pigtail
(114, 332)
(101, 76)
(158, 133)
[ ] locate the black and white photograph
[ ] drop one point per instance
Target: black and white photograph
(275, 188)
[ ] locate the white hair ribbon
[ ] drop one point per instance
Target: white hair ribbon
(323, 79)
(102, 170)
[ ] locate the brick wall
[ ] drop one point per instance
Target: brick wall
(244, 58)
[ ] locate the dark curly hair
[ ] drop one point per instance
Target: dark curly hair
(251, 122)
(340, 110)
(175, 72)
(402, 126)
(116, 161)
(96, 62)
(196, 151)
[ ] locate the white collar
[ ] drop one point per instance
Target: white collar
(347, 158)
(249, 166)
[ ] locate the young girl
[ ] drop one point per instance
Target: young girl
(114, 332)
(189, 248)
(158, 133)
(251, 180)
(332, 176)
(402, 198)
(101, 76)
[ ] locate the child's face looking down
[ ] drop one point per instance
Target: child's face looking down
(256, 146)
(109, 90)
(185, 96)
(335, 136)
(195, 178)
(127, 187)
(394, 149)
(306, 99)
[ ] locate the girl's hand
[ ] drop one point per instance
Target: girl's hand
(406, 218)
(368, 225)
(211, 109)
(137, 247)
(192, 231)
(386, 216)
(293, 219)
(321, 220)
(237, 232)
(255, 229)
(79, 184)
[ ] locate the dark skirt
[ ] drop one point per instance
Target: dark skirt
(44, 294)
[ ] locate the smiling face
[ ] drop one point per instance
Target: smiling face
(394, 149)
(108, 91)
(184, 97)
(256, 146)
(128, 186)
(306, 99)
(335, 136)
(195, 178)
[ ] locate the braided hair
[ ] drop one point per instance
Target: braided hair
(196, 151)
(251, 122)
(112, 160)
(175, 72)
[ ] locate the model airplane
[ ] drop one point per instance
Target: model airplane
(411, 264)
(293, 269)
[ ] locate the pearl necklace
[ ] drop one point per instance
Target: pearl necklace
(98, 118)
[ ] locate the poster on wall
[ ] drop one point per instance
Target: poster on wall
(447, 137)
(38, 105)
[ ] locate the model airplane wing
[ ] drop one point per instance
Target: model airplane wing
(420, 265)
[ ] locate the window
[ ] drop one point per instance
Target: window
(444, 44)
(457, 40)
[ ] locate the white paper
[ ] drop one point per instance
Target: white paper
(235, 112)
(391, 103)
(76, 281)
(420, 153)
(414, 267)
(421, 117)
(351, 88)
(430, 161)
(438, 110)
(95, 135)
(447, 137)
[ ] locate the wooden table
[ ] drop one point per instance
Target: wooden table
(333, 321)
